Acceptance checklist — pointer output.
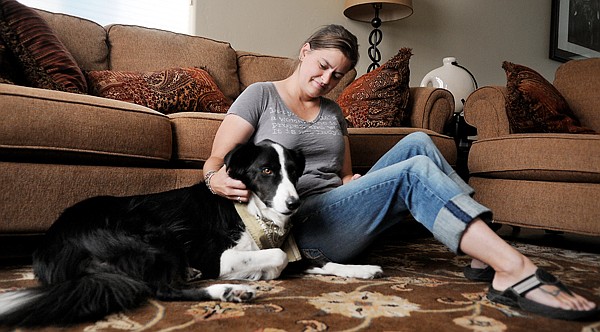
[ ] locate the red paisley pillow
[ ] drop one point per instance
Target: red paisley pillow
(379, 98)
(167, 91)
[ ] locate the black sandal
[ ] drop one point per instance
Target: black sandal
(475, 274)
(514, 296)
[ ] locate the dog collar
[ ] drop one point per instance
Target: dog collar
(266, 234)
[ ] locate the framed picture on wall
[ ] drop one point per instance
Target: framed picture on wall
(575, 29)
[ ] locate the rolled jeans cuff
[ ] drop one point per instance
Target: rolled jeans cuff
(452, 220)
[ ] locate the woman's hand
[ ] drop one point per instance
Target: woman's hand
(232, 131)
(223, 185)
(349, 178)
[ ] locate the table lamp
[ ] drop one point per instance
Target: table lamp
(377, 12)
(454, 78)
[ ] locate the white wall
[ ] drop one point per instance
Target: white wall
(480, 33)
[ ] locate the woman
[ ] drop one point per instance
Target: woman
(342, 213)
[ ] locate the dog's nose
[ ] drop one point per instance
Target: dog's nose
(292, 203)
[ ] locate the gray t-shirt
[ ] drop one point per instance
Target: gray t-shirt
(321, 140)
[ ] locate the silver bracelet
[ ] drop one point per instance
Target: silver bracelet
(207, 177)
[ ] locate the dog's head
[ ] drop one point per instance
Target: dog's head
(270, 172)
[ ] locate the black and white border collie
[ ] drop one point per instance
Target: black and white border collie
(107, 254)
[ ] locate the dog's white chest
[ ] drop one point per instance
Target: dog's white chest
(246, 243)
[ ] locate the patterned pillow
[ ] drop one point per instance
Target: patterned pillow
(379, 98)
(534, 105)
(167, 91)
(44, 60)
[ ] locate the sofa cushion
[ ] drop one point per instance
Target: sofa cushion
(539, 157)
(52, 126)
(549, 205)
(267, 68)
(141, 49)
(86, 40)
(167, 91)
(535, 106)
(367, 145)
(45, 61)
(193, 134)
(379, 98)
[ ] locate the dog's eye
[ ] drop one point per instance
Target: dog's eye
(267, 171)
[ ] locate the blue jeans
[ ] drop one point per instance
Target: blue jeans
(413, 176)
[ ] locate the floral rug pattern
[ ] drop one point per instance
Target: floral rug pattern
(423, 289)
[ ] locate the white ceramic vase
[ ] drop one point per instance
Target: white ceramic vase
(453, 78)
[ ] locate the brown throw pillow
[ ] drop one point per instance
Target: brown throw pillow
(379, 98)
(534, 105)
(8, 66)
(44, 60)
(167, 91)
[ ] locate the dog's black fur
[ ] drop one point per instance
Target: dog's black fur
(108, 254)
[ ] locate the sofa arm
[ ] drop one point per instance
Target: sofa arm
(485, 110)
(431, 108)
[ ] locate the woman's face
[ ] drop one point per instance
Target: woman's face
(321, 70)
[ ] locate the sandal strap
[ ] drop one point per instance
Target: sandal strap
(526, 285)
(539, 278)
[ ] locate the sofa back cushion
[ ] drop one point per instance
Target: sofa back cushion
(262, 68)
(86, 40)
(577, 81)
(135, 48)
(267, 68)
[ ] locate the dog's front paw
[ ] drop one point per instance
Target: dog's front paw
(231, 293)
(275, 260)
(348, 271)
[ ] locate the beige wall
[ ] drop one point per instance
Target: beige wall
(480, 33)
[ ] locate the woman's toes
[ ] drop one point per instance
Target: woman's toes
(555, 297)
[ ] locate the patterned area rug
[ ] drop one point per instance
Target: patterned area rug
(423, 290)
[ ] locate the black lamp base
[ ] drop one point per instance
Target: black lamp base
(375, 39)
(374, 54)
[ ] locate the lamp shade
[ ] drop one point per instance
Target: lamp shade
(391, 10)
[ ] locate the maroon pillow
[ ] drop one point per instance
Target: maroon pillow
(43, 59)
(379, 98)
(8, 65)
(534, 105)
(167, 91)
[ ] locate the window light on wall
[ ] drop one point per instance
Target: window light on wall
(171, 15)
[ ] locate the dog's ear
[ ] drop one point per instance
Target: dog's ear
(299, 160)
(231, 153)
(237, 160)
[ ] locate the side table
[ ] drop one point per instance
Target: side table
(464, 135)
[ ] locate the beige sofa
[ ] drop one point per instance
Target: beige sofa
(543, 180)
(57, 148)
